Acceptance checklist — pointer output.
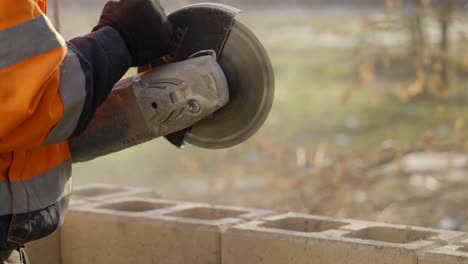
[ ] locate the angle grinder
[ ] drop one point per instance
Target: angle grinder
(214, 91)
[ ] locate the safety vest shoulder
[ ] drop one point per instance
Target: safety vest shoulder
(42, 94)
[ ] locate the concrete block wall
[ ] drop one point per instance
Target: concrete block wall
(297, 238)
(137, 227)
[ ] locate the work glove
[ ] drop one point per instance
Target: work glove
(144, 27)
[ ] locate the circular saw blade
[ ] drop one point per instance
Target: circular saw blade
(251, 90)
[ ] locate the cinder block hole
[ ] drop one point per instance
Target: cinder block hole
(134, 206)
(392, 235)
(304, 224)
(463, 249)
(96, 191)
(207, 213)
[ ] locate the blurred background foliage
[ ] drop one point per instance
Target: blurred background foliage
(369, 121)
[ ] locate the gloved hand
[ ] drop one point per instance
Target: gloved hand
(144, 27)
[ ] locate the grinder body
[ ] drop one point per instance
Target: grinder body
(152, 104)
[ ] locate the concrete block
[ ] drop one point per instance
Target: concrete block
(143, 230)
(104, 192)
(298, 238)
(450, 254)
(48, 249)
(45, 251)
(399, 234)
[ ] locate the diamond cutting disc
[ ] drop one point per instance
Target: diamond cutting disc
(251, 90)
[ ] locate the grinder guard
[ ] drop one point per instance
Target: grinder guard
(206, 26)
(247, 68)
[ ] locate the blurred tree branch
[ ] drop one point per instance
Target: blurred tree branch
(445, 10)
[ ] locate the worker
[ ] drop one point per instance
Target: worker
(49, 91)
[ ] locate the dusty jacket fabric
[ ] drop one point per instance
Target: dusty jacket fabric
(48, 92)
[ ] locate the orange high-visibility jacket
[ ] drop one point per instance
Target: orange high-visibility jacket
(42, 93)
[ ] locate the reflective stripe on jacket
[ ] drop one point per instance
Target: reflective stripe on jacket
(42, 95)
